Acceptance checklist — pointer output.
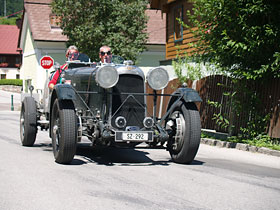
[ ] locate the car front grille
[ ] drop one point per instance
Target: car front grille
(129, 106)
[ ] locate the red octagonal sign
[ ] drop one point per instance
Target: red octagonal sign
(46, 62)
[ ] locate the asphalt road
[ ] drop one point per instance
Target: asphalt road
(141, 178)
(6, 100)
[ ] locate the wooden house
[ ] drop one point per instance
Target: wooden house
(177, 37)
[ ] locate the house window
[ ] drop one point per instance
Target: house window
(178, 28)
(17, 76)
(3, 76)
(54, 21)
(2, 59)
(17, 60)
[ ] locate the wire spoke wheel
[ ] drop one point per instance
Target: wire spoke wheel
(28, 121)
(64, 132)
(56, 132)
(180, 126)
(22, 114)
(184, 138)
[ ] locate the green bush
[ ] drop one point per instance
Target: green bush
(261, 140)
(16, 82)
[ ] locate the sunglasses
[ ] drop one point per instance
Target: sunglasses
(103, 53)
(73, 56)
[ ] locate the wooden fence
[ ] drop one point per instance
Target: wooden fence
(212, 88)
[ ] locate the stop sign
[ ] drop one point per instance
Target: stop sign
(46, 62)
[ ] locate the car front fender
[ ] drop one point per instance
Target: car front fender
(64, 92)
(188, 95)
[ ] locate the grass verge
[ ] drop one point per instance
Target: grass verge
(259, 141)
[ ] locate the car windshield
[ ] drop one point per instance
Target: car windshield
(117, 59)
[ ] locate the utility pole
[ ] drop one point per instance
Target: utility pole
(5, 13)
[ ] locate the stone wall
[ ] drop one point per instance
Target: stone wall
(11, 88)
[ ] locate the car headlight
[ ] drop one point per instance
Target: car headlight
(107, 76)
(157, 78)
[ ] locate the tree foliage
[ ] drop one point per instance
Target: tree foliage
(10, 21)
(242, 36)
(12, 6)
(89, 24)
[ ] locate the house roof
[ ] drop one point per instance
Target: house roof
(38, 12)
(8, 39)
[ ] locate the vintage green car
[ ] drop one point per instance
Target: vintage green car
(107, 104)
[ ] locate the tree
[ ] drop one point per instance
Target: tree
(12, 6)
(89, 24)
(242, 36)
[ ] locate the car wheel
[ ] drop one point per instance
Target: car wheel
(64, 131)
(185, 129)
(28, 121)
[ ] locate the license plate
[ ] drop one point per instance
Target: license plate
(134, 136)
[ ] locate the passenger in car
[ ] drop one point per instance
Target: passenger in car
(72, 54)
(105, 54)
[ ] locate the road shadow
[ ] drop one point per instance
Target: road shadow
(197, 162)
(111, 156)
(44, 146)
(121, 156)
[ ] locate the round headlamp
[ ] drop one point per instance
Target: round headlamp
(157, 78)
(107, 76)
(120, 121)
(148, 122)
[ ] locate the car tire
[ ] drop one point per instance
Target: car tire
(64, 131)
(28, 121)
(185, 132)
